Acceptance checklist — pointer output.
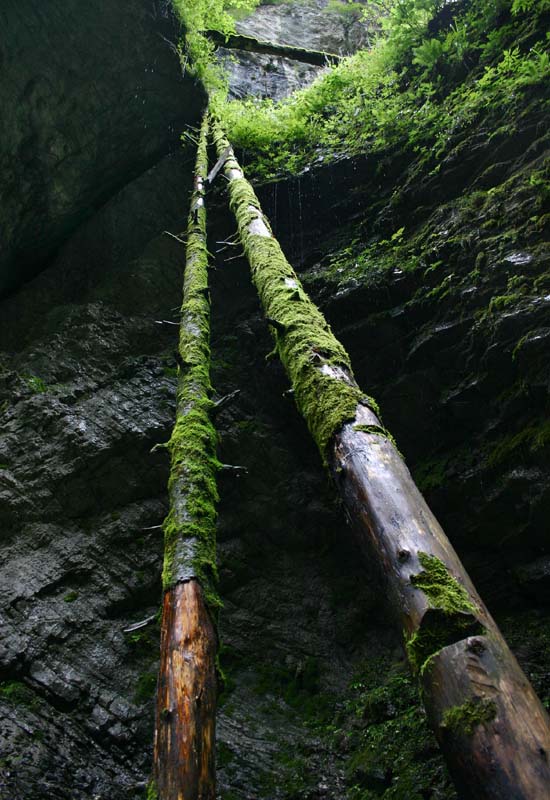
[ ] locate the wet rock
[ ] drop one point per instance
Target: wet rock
(300, 24)
(534, 579)
(62, 157)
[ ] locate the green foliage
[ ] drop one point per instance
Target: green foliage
(36, 384)
(415, 90)
(196, 51)
(70, 597)
(527, 6)
(146, 687)
(349, 14)
(152, 793)
(428, 54)
(202, 15)
(345, 8)
(17, 693)
(393, 753)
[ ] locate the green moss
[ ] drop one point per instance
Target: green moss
(389, 749)
(303, 339)
(37, 385)
(450, 618)
(299, 688)
(17, 693)
(533, 437)
(465, 719)
(431, 473)
(70, 597)
(143, 643)
(190, 527)
(375, 429)
(146, 687)
(441, 588)
(438, 630)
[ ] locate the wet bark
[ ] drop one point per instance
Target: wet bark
(492, 728)
(186, 701)
(184, 761)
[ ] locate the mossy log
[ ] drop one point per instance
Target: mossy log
(234, 41)
(184, 756)
(465, 667)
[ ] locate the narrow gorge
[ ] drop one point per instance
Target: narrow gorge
(411, 195)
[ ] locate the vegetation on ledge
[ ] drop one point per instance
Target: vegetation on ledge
(432, 74)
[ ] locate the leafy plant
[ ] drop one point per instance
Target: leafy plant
(412, 91)
(37, 385)
(428, 54)
(196, 51)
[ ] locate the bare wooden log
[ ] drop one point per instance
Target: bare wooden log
(186, 702)
(184, 766)
(501, 707)
(428, 590)
(235, 41)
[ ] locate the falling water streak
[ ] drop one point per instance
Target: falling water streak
(274, 202)
(300, 228)
(290, 219)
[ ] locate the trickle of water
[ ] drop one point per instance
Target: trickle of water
(300, 229)
(274, 204)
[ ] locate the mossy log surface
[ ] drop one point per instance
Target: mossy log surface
(186, 698)
(502, 710)
(427, 588)
(234, 41)
(190, 527)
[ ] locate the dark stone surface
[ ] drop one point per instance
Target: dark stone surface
(446, 328)
(87, 390)
(91, 95)
(297, 23)
(86, 393)
(317, 703)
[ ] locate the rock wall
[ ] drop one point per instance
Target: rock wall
(446, 323)
(92, 95)
(87, 391)
(300, 23)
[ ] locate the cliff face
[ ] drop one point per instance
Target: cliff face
(92, 95)
(93, 104)
(87, 390)
(309, 23)
(317, 702)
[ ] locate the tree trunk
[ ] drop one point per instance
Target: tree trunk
(493, 731)
(184, 767)
(237, 41)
